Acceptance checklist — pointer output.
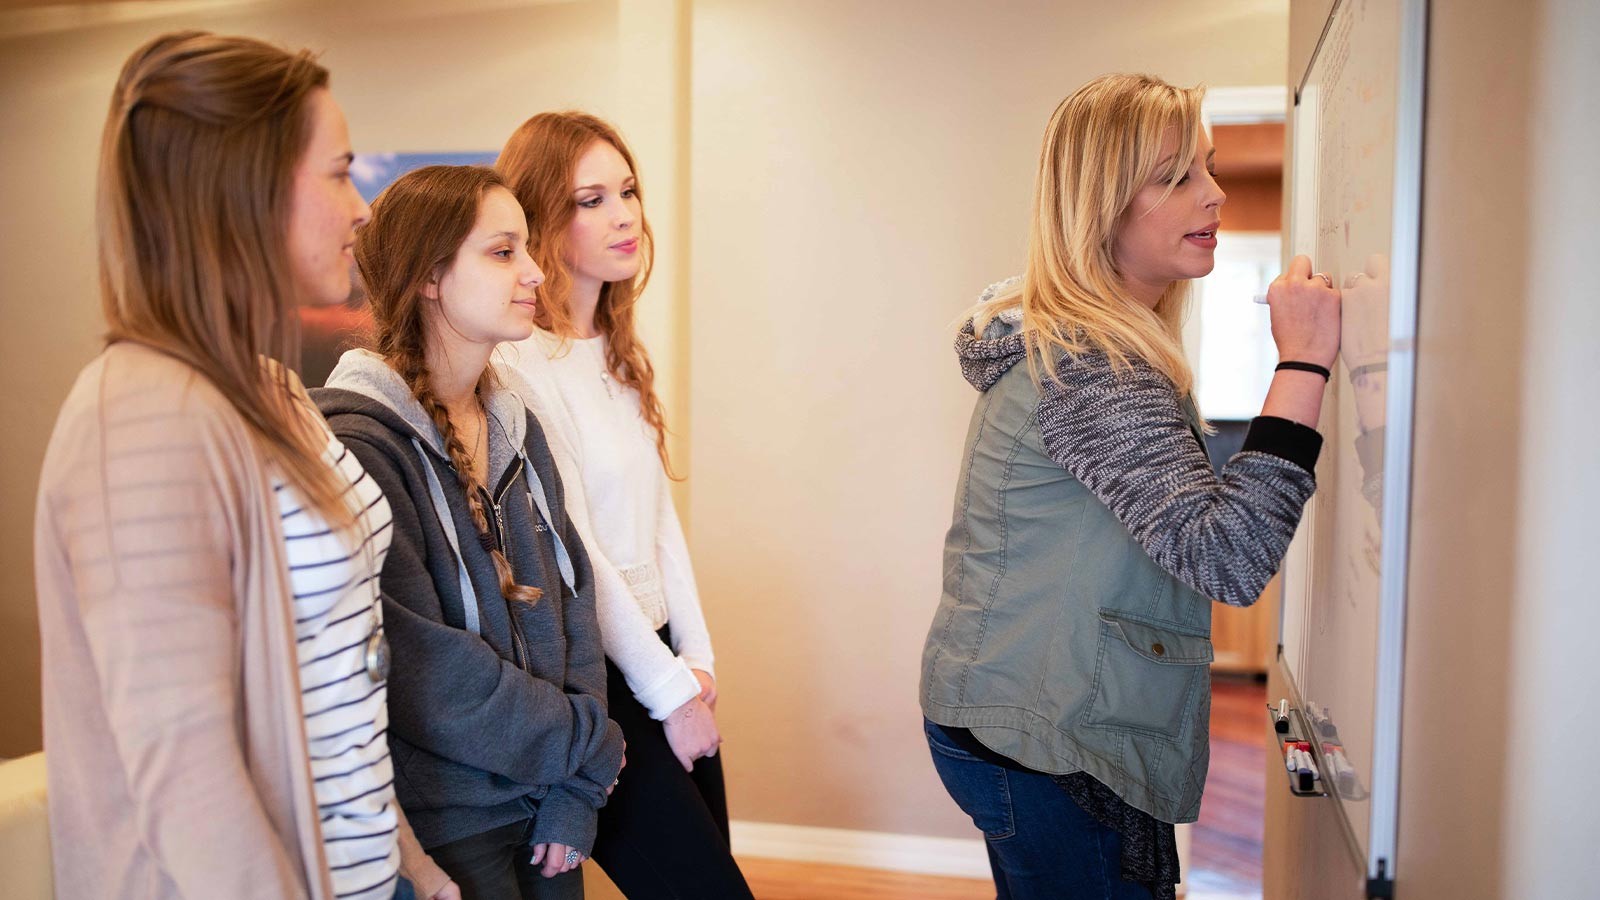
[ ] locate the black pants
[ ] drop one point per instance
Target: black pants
(495, 866)
(664, 832)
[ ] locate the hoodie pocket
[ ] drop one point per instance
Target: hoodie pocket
(1147, 677)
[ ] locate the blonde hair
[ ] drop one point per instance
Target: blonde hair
(539, 162)
(197, 166)
(1101, 147)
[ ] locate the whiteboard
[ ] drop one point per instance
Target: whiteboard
(1355, 210)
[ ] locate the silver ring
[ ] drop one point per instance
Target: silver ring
(1324, 276)
(574, 857)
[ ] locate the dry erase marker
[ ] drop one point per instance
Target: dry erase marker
(1307, 761)
(1293, 755)
(1282, 723)
(1311, 762)
(1308, 767)
(1260, 298)
(1307, 779)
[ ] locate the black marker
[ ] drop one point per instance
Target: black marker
(1282, 723)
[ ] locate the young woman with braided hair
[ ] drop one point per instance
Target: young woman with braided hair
(665, 833)
(503, 750)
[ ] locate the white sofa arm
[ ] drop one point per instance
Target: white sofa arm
(25, 829)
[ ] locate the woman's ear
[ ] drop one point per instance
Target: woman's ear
(430, 290)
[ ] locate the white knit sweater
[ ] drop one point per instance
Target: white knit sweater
(619, 499)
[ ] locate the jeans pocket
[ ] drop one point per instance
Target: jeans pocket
(978, 787)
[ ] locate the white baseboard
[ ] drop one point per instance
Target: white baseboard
(958, 857)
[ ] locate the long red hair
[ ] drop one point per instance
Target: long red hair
(539, 163)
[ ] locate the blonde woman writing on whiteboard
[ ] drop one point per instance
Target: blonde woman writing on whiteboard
(665, 832)
(1065, 683)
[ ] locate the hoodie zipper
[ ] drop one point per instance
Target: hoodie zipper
(519, 644)
(496, 503)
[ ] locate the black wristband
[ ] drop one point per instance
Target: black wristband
(1304, 367)
(1284, 439)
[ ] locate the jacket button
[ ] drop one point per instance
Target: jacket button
(1158, 649)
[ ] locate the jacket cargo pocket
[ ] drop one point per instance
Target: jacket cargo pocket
(1146, 677)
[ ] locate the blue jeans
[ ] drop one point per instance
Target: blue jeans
(1042, 846)
(404, 891)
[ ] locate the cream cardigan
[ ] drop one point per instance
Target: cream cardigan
(174, 736)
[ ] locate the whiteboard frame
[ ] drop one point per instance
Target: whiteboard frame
(1399, 418)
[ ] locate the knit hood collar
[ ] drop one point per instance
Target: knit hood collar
(987, 357)
(365, 373)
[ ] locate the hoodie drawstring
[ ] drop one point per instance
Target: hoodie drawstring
(536, 497)
(469, 597)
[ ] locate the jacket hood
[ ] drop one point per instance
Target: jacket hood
(365, 374)
(984, 358)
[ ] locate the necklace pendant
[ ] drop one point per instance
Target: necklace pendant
(377, 655)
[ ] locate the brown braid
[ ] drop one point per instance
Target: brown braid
(462, 460)
(418, 223)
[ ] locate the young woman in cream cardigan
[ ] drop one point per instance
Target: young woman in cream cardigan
(206, 555)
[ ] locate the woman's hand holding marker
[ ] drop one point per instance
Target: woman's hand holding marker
(1305, 314)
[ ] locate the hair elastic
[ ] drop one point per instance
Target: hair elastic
(1304, 367)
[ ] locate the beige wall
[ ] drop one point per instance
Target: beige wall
(1469, 373)
(859, 172)
(651, 105)
(1499, 676)
(1552, 820)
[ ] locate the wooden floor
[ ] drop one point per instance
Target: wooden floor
(772, 879)
(1225, 855)
(1225, 861)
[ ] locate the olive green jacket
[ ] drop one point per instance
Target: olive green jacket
(1060, 641)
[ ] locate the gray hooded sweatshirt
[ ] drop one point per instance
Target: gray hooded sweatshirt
(497, 708)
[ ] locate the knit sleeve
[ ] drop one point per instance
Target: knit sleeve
(1126, 437)
(659, 679)
(690, 636)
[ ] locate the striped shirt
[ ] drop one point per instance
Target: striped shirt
(334, 577)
